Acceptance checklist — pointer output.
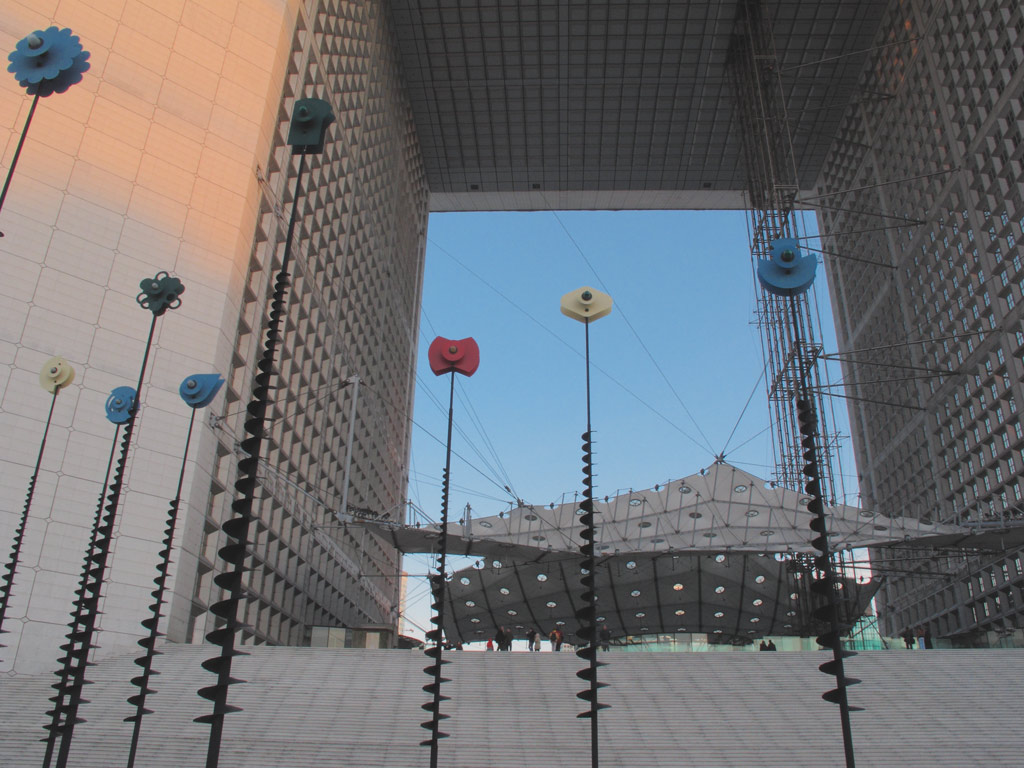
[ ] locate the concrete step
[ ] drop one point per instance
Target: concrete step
(327, 708)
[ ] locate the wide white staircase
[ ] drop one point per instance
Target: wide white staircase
(323, 708)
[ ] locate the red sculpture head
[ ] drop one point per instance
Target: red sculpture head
(445, 355)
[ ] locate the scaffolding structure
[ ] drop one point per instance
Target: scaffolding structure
(772, 189)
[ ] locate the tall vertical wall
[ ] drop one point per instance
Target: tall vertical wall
(921, 202)
(170, 156)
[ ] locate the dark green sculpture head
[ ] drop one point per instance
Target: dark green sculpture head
(160, 293)
(309, 126)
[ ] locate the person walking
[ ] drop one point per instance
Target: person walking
(606, 637)
(530, 637)
(553, 637)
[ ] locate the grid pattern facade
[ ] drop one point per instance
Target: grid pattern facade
(921, 198)
(353, 310)
(550, 96)
(170, 155)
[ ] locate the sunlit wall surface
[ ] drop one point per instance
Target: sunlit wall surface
(170, 156)
(925, 179)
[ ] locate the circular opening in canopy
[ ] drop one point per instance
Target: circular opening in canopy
(550, 603)
(758, 602)
(542, 577)
(740, 488)
(470, 604)
(696, 515)
(677, 587)
(752, 513)
(635, 502)
(464, 581)
(644, 524)
(631, 564)
(474, 620)
(684, 488)
(504, 590)
(640, 614)
(759, 579)
(719, 614)
(680, 612)
(512, 612)
(719, 590)
(483, 524)
(635, 593)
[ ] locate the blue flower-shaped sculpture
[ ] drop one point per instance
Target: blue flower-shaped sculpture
(119, 404)
(199, 389)
(48, 61)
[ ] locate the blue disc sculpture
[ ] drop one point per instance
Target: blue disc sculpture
(198, 391)
(117, 407)
(789, 273)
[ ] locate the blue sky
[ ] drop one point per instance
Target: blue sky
(674, 366)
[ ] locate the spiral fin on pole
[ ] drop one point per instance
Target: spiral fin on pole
(56, 715)
(827, 610)
(587, 614)
(237, 527)
(436, 635)
(56, 374)
(152, 622)
(7, 579)
(82, 627)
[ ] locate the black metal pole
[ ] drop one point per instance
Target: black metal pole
(95, 570)
(438, 593)
(152, 623)
(19, 532)
(825, 586)
(237, 528)
(17, 152)
(56, 714)
(588, 614)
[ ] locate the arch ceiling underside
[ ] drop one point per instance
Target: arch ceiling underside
(603, 105)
